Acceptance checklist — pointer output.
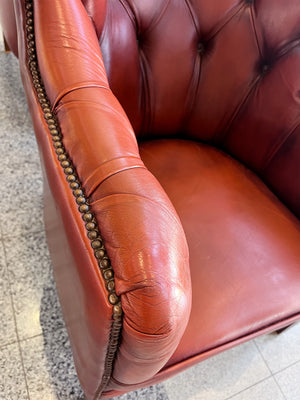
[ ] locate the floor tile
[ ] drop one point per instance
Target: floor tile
(15, 120)
(8, 329)
(35, 300)
(14, 113)
(10, 81)
(289, 381)
(18, 153)
(156, 392)
(49, 367)
(51, 373)
(265, 390)
(21, 221)
(23, 188)
(12, 379)
(280, 351)
(221, 376)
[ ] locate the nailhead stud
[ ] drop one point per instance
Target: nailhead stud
(78, 193)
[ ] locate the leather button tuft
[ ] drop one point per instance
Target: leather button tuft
(265, 68)
(139, 40)
(201, 48)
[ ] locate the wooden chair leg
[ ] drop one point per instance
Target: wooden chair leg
(6, 46)
(282, 329)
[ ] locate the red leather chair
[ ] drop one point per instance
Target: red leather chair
(185, 242)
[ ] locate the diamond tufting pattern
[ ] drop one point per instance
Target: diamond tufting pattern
(219, 76)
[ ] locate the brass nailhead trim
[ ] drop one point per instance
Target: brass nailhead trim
(92, 235)
(78, 192)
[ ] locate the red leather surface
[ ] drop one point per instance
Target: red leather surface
(226, 77)
(243, 243)
(141, 231)
(218, 72)
(68, 36)
(8, 25)
(244, 251)
(174, 369)
(97, 12)
(147, 248)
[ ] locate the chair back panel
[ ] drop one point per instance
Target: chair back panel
(226, 73)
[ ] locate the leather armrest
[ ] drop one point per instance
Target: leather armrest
(141, 230)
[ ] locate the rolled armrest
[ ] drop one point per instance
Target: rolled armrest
(142, 234)
(140, 228)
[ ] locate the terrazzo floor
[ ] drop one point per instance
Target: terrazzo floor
(35, 358)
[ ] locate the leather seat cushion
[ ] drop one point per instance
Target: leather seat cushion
(244, 244)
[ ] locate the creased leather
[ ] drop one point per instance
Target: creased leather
(221, 78)
(108, 169)
(228, 76)
(69, 36)
(141, 230)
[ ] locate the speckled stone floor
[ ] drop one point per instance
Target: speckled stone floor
(35, 357)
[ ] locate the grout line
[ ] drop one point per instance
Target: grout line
(3, 346)
(272, 374)
(22, 340)
(287, 367)
(249, 387)
(279, 387)
(280, 370)
(263, 358)
(22, 234)
(34, 336)
(15, 322)
(57, 329)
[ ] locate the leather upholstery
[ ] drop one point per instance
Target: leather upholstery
(151, 277)
(228, 69)
(243, 243)
(203, 255)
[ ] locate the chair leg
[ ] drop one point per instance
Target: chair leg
(6, 46)
(279, 331)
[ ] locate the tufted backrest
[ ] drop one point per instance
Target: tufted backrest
(224, 72)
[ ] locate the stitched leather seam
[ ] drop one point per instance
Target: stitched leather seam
(191, 98)
(134, 16)
(158, 18)
(277, 146)
(146, 98)
(255, 31)
(193, 16)
(231, 14)
(130, 13)
(81, 85)
(220, 137)
(196, 75)
(286, 49)
(108, 169)
(195, 86)
(139, 197)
